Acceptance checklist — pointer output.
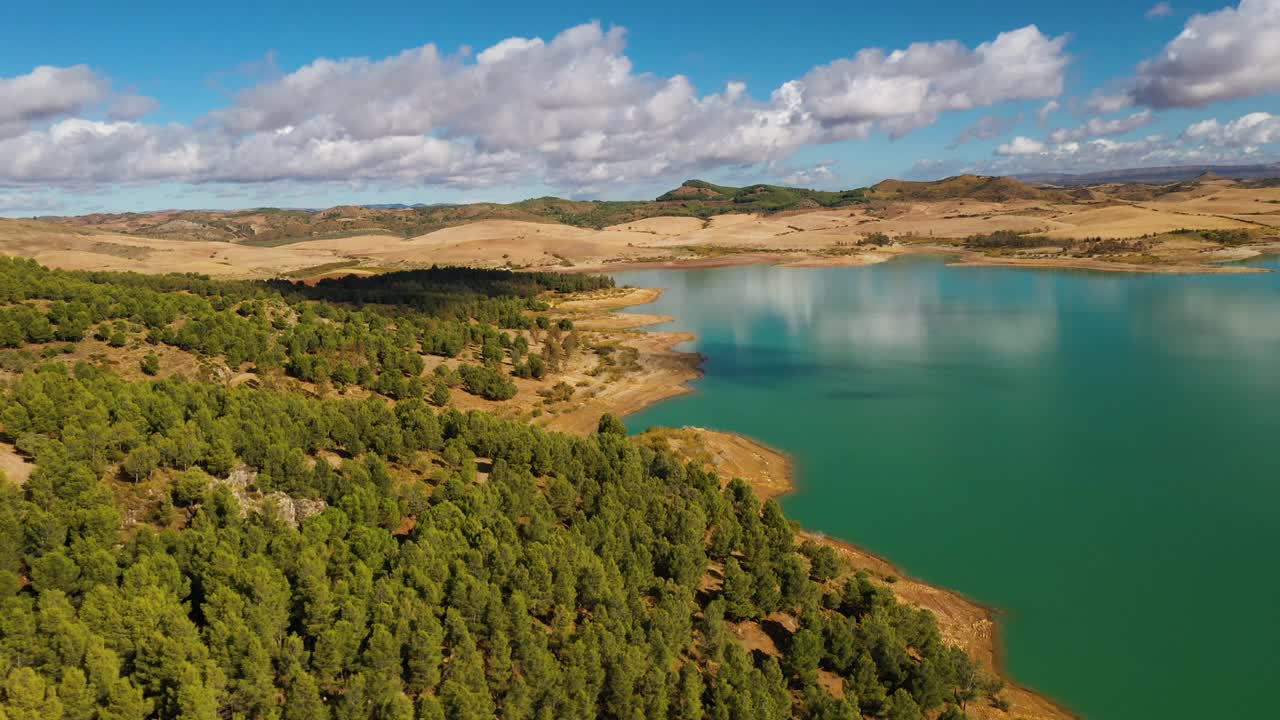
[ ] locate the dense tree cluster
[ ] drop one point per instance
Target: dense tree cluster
(486, 382)
(445, 290)
(1009, 239)
(565, 585)
(370, 332)
(458, 566)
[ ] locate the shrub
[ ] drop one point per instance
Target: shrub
(150, 364)
(486, 382)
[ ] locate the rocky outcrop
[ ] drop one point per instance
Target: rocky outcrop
(241, 483)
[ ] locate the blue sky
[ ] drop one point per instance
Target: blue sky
(161, 105)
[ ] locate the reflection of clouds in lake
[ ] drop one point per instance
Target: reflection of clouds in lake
(783, 292)
(899, 308)
(916, 311)
(1217, 321)
(908, 311)
(886, 313)
(738, 298)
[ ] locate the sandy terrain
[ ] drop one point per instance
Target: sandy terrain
(664, 372)
(1127, 221)
(659, 372)
(662, 225)
(14, 468)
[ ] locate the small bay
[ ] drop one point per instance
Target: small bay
(1095, 454)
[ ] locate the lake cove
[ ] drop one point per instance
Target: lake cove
(1094, 453)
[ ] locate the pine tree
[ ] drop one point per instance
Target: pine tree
(610, 425)
(141, 462)
(804, 652)
(739, 591)
(29, 697)
(688, 703)
(903, 707)
(866, 686)
(78, 702)
(303, 700)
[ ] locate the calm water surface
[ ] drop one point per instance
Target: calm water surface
(1094, 453)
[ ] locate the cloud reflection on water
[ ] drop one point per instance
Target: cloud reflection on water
(903, 307)
(1235, 322)
(917, 310)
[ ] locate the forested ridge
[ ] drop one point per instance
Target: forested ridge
(368, 332)
(188, 549)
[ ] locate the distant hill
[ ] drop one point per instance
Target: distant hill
(975, 187)
(280, 226)
(1156, 175)
(693, 198)
(277, 226)
(762, 198)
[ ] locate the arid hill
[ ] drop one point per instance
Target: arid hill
(281, 226)
(1156, 175)
(276, 226)
(1188, 225)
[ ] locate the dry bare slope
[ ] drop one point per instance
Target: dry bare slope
(913, 217)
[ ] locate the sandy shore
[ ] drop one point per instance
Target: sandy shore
(958, 256)
(1107, 266)
(663, 372)
(709, 261)
(962, 621)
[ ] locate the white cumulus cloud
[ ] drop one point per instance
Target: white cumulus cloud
(1250, 130)
(1103, 102)
(1046, 110)
(820, 174)
(1252, 138)
(1021, 145)
(571, 111)
(48, 92)
(911, 87)
(1231, 53)
(1097, 127)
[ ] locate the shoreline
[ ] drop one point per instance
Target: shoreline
(665, 372)
(962, 621)
(957, 256)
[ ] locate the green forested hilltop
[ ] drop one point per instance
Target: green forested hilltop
(189, 550)
(761, 197)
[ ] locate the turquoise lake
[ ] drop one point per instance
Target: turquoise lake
(1095, 454)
